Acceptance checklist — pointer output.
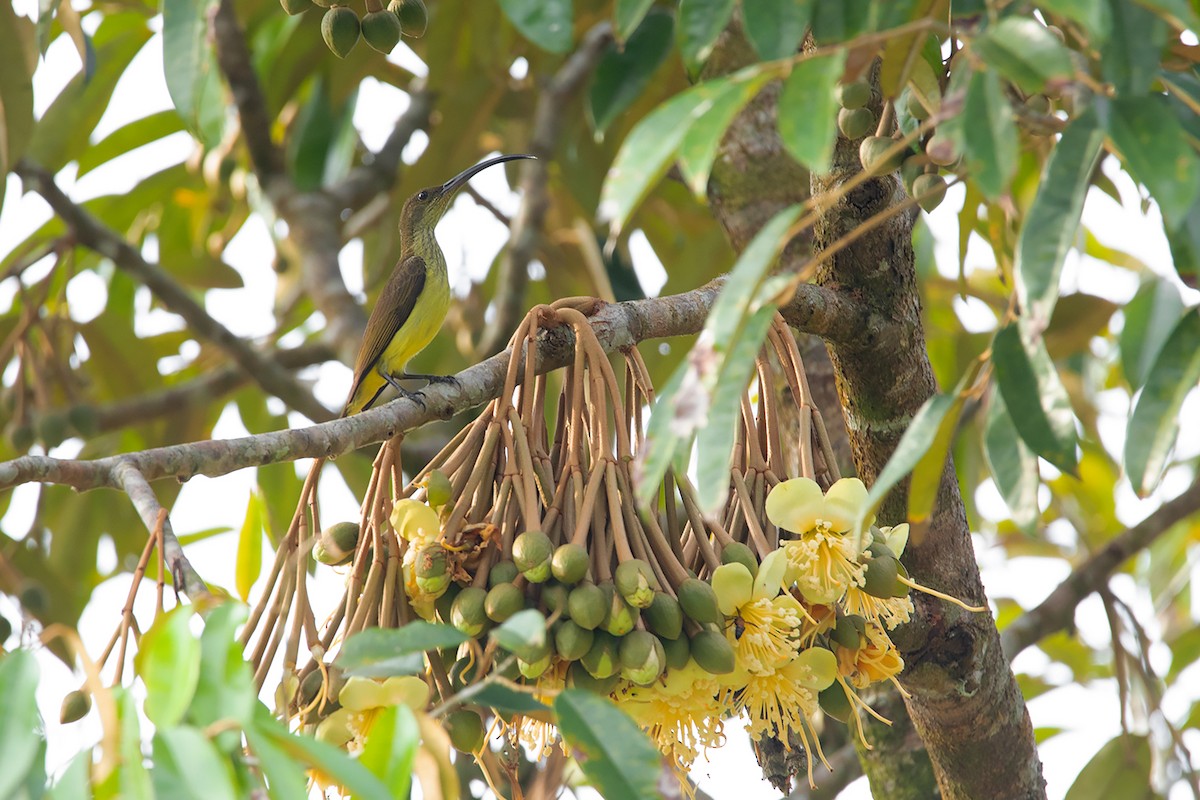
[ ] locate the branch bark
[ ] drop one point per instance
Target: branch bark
(1057, 611)
(91, 233)
(617, 325)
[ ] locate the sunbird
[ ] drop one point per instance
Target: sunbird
(413, 304)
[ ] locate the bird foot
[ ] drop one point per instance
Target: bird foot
(444, 379)
(415, 397)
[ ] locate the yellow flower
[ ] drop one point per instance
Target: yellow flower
(888, 612)
(681, 713)
(766, 625)
(416, 522)
(823, 565)
(877, 660)
(798, 505)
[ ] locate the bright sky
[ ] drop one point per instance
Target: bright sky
(1088, 715)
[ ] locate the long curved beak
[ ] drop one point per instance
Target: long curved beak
(461, 178)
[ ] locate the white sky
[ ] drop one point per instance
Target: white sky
(1088, 714)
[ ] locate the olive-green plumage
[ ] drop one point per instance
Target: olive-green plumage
(414, 301)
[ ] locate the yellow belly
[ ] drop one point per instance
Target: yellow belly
(414, 336)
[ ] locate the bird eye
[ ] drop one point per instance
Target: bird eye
(422, 195)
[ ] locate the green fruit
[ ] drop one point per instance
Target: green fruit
(930, 189)
(34, 598)
(554, 598)
(413, 16)
(580, 678)
(940, 150)
(468, 613)
(465, 729)
(901, 589)
(602, 660)
(381, 30)
(678, 652)
(340, 29)
(873, 155)
(635, 582)
(855, 94)
(502, 601)
(52, 429)
(294, 7)
(848, 632)
(643, 658)
(570, 563)
(855, 123)
(572, 641)
(437, 485)
(445, 603)
(21, 437)
(1038, 103)
(620, 617)
(916, 109)
(587, 606)
(75, 707)
(699, 601)
(502, 572)
(83, 420)
(337, 544)
(835, 702)
(880, 577)
(664, 616)
(912, 168)
(739, 553)
(535, 653)
(713, 652)
(531, 553)
(432, 569)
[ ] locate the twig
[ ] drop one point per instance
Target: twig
(1057, 611)
(91, 233)
(617, 326)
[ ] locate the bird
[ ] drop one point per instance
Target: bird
(414, 301)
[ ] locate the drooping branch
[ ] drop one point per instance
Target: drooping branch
(617, 325)
(526, 229)
(149, 509)
(1057, 611)
(91, 233)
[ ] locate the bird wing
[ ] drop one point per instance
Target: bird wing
(392, 309)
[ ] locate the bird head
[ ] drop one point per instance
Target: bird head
(424, 209)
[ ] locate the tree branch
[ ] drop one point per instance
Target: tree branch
(513, 277)
(91, 233)
(617, 325)
(135, 485)
(1057, 612)
(233, 59)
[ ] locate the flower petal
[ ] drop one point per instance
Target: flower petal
(414, 520)
(896, 538)
(815, 668)
(733, 585)
(844, 501)
(795, 504)
(770, 575)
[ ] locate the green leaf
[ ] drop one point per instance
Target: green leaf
(1179, 13)
(526, 628)
(62, 133)
(333, 761)
(1052, 223)
(775, 27)
(1025, 52)
(1013, 465)
(700, 23)
(839, 20)
(248, 562)
(617, 756)
(624, 73)
(391, 748)
(225, 690)
(384, 652)
(191, 69)
(808, 110)
(501, 698)
(187, 766)
(1154, 424)
(19, 719)
(986, 134)
(285, 776)
(927, 472)
(130, 780)
(1149, 319)
(1130, 59)
(74, 783)
(547, 23)
(1156, 151)
(918, 438)
(629, 15)
(1035, 397)
(168, 662)
(1184, 240)
(1121, 769)
(1094, 16)
(698, 149)
(129, 137)
(18, 54)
